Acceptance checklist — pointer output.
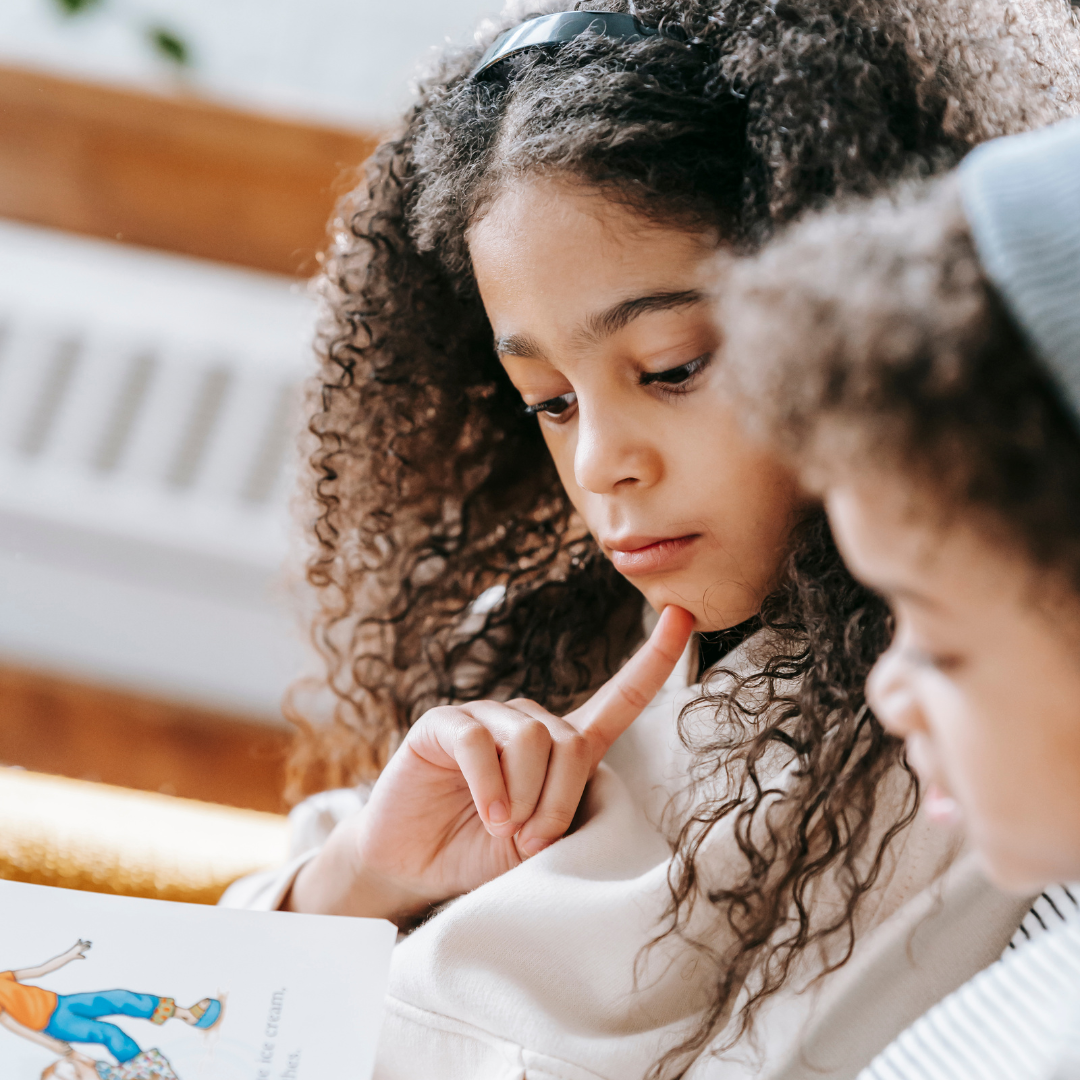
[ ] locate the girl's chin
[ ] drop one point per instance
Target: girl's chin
(941, 806)
(708, 619)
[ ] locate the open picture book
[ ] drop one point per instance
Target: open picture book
(96, 987)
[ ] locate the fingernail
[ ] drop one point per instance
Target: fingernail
(535, 846)
(498, 814)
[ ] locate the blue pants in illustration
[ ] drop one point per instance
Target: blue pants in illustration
(78, 1019)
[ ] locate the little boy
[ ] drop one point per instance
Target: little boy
(919, 359)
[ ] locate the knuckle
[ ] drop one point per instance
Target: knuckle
(474, 736)
(533, 735)
(440, 716)
(633, 696)
(576, 750)
(551, 824)
(521, 811)
(518, 702)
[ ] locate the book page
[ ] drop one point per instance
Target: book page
(149, 990)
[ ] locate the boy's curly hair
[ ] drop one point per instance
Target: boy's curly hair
(869, 340)
(427, 488)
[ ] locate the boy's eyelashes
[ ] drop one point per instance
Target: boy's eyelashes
(672, 380)
(945, 662)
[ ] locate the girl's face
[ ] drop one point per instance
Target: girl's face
(601, 323)
(982, 679)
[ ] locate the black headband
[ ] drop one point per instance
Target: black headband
(549, 31)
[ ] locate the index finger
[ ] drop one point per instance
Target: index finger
(619, 702)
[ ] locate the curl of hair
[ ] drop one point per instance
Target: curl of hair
(426, 488)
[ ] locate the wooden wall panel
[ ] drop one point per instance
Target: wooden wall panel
(186, 176)
(54, 725)
(170, 172)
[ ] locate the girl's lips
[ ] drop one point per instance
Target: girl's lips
(650, 558)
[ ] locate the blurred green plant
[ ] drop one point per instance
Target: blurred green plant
(166, 43)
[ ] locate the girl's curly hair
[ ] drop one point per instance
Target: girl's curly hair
(428, 490)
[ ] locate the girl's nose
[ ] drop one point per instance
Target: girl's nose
(613, 452)
(889, 693)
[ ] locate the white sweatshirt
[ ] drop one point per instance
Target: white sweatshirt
(541, 974)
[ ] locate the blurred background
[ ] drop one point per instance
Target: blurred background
(166, 172)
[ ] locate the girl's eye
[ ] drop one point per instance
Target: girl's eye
(553, 407)
(674, 380)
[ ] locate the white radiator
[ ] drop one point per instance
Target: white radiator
(146, 459)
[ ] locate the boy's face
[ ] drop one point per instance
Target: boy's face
(982, 678)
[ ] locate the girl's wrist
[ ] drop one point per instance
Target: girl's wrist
(336, 882)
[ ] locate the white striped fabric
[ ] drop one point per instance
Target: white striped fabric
(1060, 903)
(1017, 1020)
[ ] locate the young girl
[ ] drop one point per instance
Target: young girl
(562, 200)
(925, 368)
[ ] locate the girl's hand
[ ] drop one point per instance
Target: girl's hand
(79, 949)
(476, 789)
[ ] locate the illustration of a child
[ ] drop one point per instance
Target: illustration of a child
(55, 1021)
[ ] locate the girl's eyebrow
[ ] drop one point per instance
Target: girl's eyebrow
(608, 322)
(604, 323)
(519, 345)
